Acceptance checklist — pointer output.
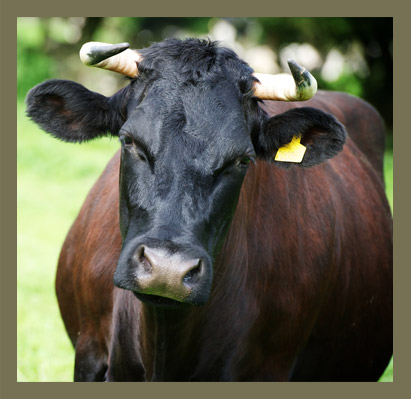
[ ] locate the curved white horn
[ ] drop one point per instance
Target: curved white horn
(299, 86)
(114, 57)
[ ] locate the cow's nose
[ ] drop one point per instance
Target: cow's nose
(166, 274)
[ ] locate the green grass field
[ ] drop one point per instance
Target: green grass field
(53, 181)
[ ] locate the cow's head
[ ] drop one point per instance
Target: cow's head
(189, 126)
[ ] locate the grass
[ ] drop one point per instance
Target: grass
(53, 181)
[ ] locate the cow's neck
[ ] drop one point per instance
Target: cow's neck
(160, 345)
(168, 342)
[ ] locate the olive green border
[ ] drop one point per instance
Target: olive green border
(9, 388)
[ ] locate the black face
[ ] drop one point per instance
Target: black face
(183, 162)
(188, 126)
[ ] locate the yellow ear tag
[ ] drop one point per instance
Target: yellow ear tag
(291, 152)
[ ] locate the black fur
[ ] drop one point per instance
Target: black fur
(196, 62)
(71, 112)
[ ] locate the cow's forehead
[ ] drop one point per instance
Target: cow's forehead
(206, 120)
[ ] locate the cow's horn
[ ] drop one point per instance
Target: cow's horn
(299, 86)
(114, 57)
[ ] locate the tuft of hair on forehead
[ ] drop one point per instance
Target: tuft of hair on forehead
(194, 61)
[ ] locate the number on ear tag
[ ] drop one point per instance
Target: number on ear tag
(291, 152)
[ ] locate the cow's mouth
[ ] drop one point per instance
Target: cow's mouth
(159, 301)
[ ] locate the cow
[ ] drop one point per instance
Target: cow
(242, 231)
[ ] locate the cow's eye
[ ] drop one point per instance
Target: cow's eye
(126, 140)
(245, 161)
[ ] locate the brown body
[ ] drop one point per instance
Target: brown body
(302, 288)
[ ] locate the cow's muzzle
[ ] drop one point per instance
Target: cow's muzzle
(164, 275)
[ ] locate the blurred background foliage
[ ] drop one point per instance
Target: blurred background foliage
(348, 54)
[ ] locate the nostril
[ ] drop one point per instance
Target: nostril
(143, 260)
(193, 275)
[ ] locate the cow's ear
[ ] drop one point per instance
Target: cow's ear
(71, 112)
(300, 136)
